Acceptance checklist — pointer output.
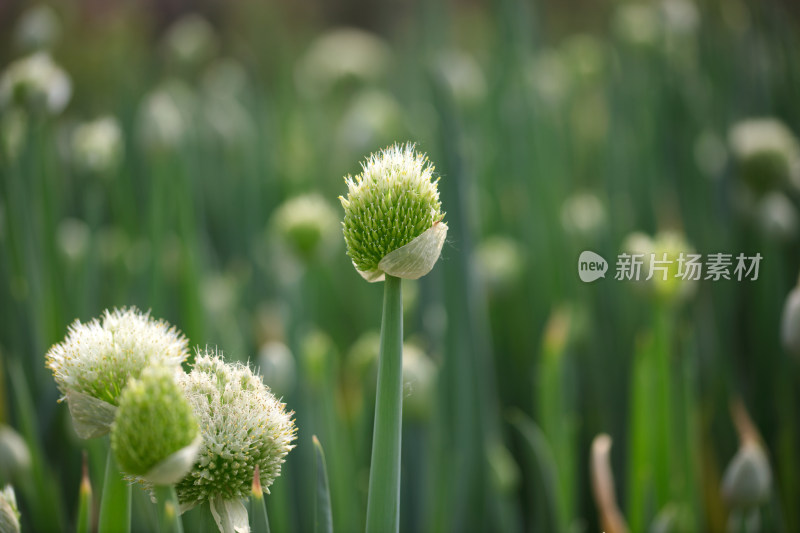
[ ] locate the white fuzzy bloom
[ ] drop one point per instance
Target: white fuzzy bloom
(94, 363)
(36, 82)
(463, 76)
(584, 215)
(373, 117)
(164, 117)
(339, 55)
(243, 426)
(190, 41)
(38, 28)
(97, 145)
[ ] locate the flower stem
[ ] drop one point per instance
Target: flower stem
(383, 502)
(115, 504)
(168, 510)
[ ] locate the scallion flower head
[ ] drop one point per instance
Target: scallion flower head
(35, 83)
(38, 28)
(393, 222)
(243, 426)
(164, 452)
(767, 154)
(306, 224)
(97, 146)
(93, 364)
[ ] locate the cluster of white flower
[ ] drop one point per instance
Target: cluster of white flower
(98, 358)
(243, 427)
(124, 372)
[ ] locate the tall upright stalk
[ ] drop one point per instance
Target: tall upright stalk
(115, 505)
(383, 503)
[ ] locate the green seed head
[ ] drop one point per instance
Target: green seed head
(767, 154)
(9, 514)
(391, 203)
(306, 224)
(154, 421)
(94, 363)
(243, 426)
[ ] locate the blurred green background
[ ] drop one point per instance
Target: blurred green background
(186, 158)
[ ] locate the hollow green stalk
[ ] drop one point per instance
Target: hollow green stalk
(383, 502)
(258, 506)
(115, 504)
(169, 517)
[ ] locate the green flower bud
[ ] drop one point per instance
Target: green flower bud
(9, 514)
(767, 154)
(15, 458)
(36, 83)
(306, 224)
(93, 364)
(165, 452)
(392, 215)
(243, 426)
